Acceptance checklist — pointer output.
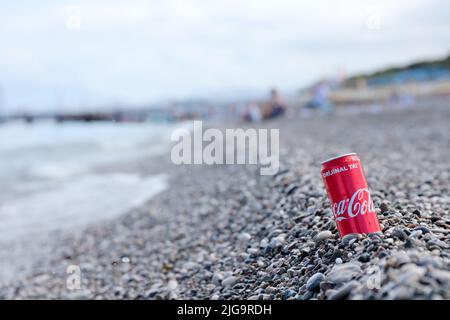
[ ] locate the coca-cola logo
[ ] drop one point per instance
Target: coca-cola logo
(359, 203)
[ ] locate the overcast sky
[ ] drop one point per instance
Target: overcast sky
(142, 51)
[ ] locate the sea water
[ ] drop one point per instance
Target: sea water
(60, 176)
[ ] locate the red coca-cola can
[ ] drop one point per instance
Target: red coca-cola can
(349, 195)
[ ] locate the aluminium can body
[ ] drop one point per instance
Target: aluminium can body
(349, 195)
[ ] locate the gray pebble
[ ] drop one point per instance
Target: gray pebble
(217, 279)
(384, 207)
(228, 282)
(365, 257)
(349, 237)
(345, 272)
(314, 281)
(399, 233)
(424, 229)
(323, 235)
(343, 291)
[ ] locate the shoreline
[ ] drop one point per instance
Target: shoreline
(62, 187)
(26, 242)
(225, 232)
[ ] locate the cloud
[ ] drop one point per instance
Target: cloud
(137, 50)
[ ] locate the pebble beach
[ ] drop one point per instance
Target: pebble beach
(226, 232)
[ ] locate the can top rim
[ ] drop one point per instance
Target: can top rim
(337, 157)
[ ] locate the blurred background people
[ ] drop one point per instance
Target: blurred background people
(320, 97)
(253, 113)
